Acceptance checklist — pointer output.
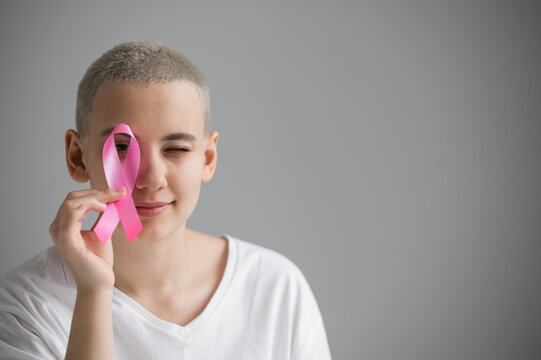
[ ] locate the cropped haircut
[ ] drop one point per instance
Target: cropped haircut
(143, 62)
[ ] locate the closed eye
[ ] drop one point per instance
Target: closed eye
(178, 149)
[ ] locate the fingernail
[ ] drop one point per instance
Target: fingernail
(121, 189)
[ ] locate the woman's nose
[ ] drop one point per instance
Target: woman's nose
(152, 171)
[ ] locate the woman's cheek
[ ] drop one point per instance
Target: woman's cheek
(191, 170)
(97, 176)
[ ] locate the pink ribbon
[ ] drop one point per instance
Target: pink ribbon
(119, 175)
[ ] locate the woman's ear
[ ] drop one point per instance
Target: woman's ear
(211, 156)
(74, 157)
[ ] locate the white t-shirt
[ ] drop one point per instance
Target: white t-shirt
(263, 308)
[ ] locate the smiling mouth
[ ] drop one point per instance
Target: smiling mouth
(151, 209)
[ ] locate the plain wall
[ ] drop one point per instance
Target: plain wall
(389, 148)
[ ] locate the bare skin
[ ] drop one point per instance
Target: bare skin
(170, 270)
(91, 263)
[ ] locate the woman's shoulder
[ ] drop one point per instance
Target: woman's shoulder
(47, 265)
(258, 261)
(257, 252)
(245, 255)
(40, 277)
(36, 305)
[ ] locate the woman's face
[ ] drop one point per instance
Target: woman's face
(168, 122)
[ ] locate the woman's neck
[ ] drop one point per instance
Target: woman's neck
(157, 266)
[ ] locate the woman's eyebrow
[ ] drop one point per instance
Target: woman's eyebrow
(106, 132)
(175, 136)
(180, 136)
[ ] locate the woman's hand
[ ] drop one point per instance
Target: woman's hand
(89, 260)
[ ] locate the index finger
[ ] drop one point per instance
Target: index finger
(80, 193)
(109, 195)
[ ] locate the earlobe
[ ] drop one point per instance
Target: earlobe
(211, 157)
(74, 157)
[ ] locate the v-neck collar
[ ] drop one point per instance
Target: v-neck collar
(121, 299)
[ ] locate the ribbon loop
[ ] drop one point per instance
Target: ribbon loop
(118, 175)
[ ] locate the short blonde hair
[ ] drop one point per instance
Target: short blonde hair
(139, 61)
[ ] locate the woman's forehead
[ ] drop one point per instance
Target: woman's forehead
(173, 104)
(175, 134)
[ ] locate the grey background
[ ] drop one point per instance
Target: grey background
(389, 148)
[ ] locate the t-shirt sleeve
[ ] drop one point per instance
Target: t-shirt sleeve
(315, 346)
(19, 339)
(309, 335)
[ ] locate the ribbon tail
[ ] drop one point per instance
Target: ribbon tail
(129, 217)
(105, 227)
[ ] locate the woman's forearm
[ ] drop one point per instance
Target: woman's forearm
(91, 334)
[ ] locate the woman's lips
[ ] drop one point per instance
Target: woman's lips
(151, 209)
